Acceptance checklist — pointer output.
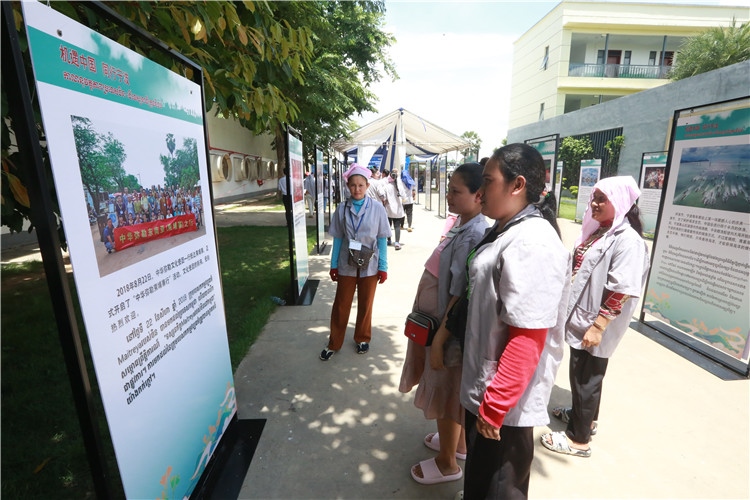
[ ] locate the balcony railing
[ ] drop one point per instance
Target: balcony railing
(618, 70)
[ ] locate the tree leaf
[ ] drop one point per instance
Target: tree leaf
(18, 190)
(242, 34)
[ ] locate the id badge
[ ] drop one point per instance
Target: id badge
(355, 245)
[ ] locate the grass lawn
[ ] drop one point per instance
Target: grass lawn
(567, 208)
(42, 451)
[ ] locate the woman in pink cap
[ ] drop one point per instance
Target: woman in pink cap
(360, 229)
(610, 266)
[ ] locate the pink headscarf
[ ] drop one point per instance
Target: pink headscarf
(355, 169)
(622, 191)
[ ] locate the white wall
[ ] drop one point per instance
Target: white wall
(228, 137)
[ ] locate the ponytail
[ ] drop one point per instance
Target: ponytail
(634, 218)
(547, 205)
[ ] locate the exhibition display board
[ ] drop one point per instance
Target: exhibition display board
(653, 166)
(320, 198)
(300, 256)
(153, 311)
(590, 172)
(698, 290)
(547, 147)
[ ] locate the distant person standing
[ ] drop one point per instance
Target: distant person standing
(309, 185)
(409, 187)
(391, 196)
(359, 228)
(376, 181)
(285, 196)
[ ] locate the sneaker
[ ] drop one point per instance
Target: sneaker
(397, 246)
(326, 354)
(363, 347)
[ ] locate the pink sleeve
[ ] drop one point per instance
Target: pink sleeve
(514, 371)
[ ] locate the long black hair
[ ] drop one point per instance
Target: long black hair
(634, 218)
(520, 159)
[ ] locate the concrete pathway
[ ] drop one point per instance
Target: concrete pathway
(340, 429)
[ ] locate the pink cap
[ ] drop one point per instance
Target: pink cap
(355, 169)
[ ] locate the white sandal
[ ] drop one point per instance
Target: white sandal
(559, 443)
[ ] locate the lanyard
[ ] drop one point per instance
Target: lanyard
(361, 216)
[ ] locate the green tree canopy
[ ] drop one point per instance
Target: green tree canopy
(613, 148)
(181, 165)
(572, 151)
(349, 54)
(713, 49)
(100, 159)
(472, 152)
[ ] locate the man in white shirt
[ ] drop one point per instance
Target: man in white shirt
(309, 185)
(285, 196)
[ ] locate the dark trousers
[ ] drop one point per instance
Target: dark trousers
(409, 211)
(497, 469)
(396, 223)
(287, 199)
(586, 377)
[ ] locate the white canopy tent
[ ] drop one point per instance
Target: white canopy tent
(398, 134)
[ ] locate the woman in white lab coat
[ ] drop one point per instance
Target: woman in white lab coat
(519, 278)
(610, 266)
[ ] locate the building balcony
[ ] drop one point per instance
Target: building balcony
(619, 71)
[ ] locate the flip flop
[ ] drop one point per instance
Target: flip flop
(432, 441)
(432, 475)
(560, 444)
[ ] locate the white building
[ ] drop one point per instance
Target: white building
(242, 165)
(585, 53)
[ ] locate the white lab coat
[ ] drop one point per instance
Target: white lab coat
(521, 279)
(618, 261)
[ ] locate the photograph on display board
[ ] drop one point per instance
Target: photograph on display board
(715, 177)
(298, 176)
(141, 192)
(589, 176)
(653, 178)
